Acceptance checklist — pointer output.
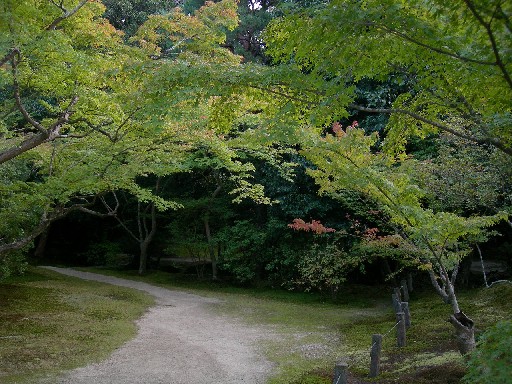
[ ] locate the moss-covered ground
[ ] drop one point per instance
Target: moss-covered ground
(50, 322)
(308, 333)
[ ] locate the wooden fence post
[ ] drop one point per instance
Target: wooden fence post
(400, 329)
(407, 313)
(405, 290)
(340, 373)
(375, 354)
(396, 303)
(398, 294)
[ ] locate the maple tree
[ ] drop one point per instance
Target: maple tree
(455, 55)
(347, 162)
(89, 113)
(315, 226)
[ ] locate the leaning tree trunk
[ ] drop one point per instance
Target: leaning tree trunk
(464, 326)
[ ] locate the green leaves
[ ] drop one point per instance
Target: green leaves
(459, 56)
(346, 162)
(490, 362)
(190, 37)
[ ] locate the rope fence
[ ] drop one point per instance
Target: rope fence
(403, 321)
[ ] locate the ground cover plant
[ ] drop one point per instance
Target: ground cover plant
(309, 332)
(49, 323)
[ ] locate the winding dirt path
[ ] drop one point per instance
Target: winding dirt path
(180, 341)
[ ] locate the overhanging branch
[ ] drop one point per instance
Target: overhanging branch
(66, 14)
(486, 140)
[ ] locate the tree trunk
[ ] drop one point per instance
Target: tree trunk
(206, 220)
(483, 265)
(464, 331)
(144, 242)
(41, 244)
(211, 249)
(386, 272)
(143, 262)
(464, 326)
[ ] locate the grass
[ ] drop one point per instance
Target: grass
(50, 323)
(306, 334)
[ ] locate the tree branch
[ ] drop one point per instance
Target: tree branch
(10, 56)
(17, 98)
(492, 39)
(429, 47)
(66, 14)
(44, 223)
(487, 140)
(96, 213)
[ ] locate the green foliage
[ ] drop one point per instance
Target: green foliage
(128, 15)
(492, 359)
(325, 267)
(105, 253)
(186, 36)
(12, 264)
(244, 250)
(346, 161)
(134, 115)
(443, 47)
(479, 172)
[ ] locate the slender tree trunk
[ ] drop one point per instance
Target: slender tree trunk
(464, 326)
(207, 229)
(211, 249)
(143, 263)
(386, 271)
(483, 265)
(146, 240)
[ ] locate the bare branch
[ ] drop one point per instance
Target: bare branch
(47, 218)
(19, 104)
(283, 94)
(501, 15)
(437, 287)
(97, 127)
(26, 145)
(96, 213)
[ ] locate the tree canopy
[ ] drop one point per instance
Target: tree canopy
(252, 104)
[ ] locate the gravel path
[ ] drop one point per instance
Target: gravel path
(180, 341)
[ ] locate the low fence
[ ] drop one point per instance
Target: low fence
(400, 301)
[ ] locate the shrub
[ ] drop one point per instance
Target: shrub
(492, 359)
(106, 253)
(12, 264)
